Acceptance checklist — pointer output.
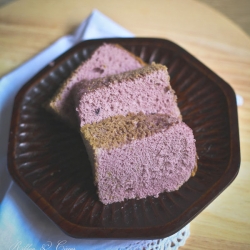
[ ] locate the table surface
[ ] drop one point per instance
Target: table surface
(28, 26)
(238, 11)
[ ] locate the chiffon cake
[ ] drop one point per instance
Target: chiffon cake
(145, 90)
(136, 156)
(108, 59)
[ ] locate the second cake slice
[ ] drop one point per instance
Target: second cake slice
(145, 90)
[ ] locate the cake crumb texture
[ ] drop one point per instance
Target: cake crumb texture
(144, 90)
(140, 156)
(116, 130)
(106, 60)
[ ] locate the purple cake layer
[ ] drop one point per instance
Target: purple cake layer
(108, 59)
(145, 90)
(139, 156)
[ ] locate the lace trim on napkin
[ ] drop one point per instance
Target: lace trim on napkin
(172, 242)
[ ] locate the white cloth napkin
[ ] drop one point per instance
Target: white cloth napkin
(22, 224)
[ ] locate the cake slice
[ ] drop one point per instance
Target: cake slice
(138, 156)
(145, 90)
(108, 59)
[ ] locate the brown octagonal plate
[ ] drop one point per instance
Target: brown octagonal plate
(48, 160)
